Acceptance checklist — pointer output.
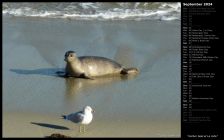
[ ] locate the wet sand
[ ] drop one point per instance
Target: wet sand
(47, 124)
(147, 105)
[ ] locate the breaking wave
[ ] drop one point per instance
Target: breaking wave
(96, 10)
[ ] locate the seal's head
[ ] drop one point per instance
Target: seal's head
(70, 56)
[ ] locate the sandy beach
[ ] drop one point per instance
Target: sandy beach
(34, 97)
(47, 124)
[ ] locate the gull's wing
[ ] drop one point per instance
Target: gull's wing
(76, 117)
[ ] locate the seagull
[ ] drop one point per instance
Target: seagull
(82, 117)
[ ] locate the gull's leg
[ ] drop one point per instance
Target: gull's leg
(80, 128)
(84, 128)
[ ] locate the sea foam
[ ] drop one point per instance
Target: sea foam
(96, 11)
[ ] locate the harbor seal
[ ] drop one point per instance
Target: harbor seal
(90, 67)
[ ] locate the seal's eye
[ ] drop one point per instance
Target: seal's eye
(71, 55)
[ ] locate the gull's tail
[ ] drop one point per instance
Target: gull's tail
(64, 117)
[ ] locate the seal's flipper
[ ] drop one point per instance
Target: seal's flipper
(83, 75)
(124, 72)
(66, 75)
(129, 71)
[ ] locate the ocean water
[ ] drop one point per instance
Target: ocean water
(97, 10)
(34, 47)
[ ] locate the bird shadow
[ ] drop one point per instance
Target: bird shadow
(50, 126)
(44, 71)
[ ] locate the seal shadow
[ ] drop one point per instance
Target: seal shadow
(50, 126)
(44, 71)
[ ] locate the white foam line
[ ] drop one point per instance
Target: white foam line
(112, 14)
